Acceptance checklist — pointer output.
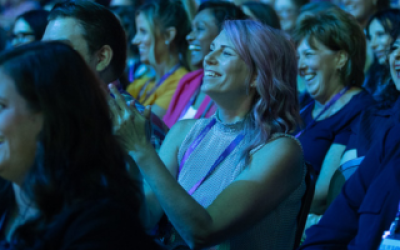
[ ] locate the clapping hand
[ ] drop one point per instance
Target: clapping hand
(131, 127)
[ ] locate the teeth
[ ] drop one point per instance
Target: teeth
(309, 77)
(209, 73)
(194, 47)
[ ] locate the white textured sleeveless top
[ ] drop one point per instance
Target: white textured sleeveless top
(277, 230)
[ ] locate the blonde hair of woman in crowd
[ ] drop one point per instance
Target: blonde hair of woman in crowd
(211, 177)
(161, 30)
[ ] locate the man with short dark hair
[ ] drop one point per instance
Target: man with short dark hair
(95, 32)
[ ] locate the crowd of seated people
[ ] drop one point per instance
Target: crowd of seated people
(185, 124)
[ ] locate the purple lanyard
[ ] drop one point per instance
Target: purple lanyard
(158, 84)
(209, 105)
(220, 159)
(327, 106)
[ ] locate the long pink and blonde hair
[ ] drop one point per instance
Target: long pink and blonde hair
(269, 54)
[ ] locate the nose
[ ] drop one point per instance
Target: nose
(301, 66)
(210, 59)
(373, 42)
(135, 40)
(190, 36)
(396, 54)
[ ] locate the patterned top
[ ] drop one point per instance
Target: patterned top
(162, 95)
(277, 229)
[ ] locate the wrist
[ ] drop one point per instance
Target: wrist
(141, 152)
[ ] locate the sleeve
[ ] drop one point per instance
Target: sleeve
(339, 225)
(343, 137)
(106, 227)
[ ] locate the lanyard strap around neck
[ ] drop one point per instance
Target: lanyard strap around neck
(220, 159)
(327, 106)
(157, 85)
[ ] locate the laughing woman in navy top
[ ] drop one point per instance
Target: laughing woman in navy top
(331, 57)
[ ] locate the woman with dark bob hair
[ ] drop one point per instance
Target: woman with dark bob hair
(211, 178)
(331, 57)
(64, 178)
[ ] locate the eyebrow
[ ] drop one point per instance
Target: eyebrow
(229, 47)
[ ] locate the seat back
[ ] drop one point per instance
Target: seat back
(306, 201)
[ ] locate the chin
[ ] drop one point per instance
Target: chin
(198, 64)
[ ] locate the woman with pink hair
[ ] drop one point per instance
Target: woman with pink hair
(234, 180)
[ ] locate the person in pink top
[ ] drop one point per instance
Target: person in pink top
(188, 101)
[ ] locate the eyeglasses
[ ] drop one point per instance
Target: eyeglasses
(22, 34)
(22, 37)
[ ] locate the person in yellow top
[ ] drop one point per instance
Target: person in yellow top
(161, 30)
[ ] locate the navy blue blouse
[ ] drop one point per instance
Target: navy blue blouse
(317, 140)
(370, 126)
(367, 204)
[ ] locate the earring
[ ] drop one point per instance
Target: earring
(167, 42)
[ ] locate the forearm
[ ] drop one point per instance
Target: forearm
(330, 165)
(189, 218)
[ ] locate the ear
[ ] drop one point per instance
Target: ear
(103, 58)
(253, 80)
(342, 59)
(170, 35)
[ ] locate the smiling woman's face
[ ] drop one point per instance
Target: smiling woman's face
(394, 62)
(225, 72)
(318, 67)
(19, 128)
(22, 33)
(204, 31)
(380, 41)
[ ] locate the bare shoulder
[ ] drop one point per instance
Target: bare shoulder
(285, 144)
(282, 150)
(178, 132)
(182, 128)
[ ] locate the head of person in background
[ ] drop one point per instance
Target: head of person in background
(58, 148)
(381, 30)
(206, 26)
(161, 30)
(362, 10)
(288, 11)
(331, 50)
(29, 27)
(97, 34)
(126, 15)
(262, 12)
(94, 31)
(316, 7)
